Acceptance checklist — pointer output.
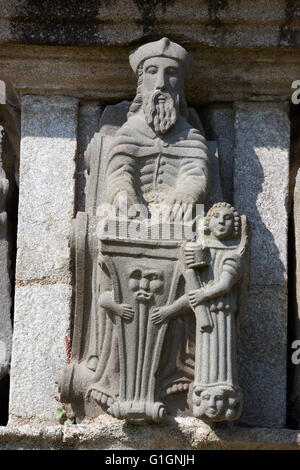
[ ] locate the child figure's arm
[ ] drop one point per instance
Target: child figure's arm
(228, 278)
(106, 301)
(179, 307)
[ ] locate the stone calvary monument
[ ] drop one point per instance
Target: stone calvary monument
(158, 308)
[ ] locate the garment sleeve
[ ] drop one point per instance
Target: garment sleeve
(232, 265)
(193, 175)
(120, 177)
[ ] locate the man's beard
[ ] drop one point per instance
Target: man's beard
(161, 115)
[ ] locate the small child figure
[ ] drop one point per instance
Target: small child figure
(220, 268)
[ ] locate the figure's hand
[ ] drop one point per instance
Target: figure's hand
(194, 254)
(176, 202)
(189, 255)
(126, 312)
(196, 297)
(159, 315)
(122, 202)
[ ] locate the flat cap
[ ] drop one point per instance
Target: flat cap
(162, 48)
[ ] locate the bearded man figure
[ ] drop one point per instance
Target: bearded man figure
(130, 365)
(157, 156)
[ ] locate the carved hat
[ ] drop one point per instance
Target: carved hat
(162, 48)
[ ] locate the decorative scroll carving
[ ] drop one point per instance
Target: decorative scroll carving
(147, 339)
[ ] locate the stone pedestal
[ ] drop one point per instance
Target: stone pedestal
(261, 177)
(43, 277)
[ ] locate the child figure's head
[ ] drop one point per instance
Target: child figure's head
(217, 403)
(222, 221)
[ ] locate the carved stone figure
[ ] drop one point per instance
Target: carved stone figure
(157, 155)
(142, 324)
(224, 277)
(5, 288)
(220, 268)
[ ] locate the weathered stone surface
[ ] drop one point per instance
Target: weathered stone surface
(179, 434)
(30, 438)
(104, 73)
(41, 324)
(235, 45)
(219, 125)
(294, 293)
(88, 124)
(262, 357)
(231, 24)
(5, 306)
(5, 287)
(10, 118)
(261, 177)
(47, 187)
(43, 284)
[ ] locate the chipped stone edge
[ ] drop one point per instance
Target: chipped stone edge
(107, 433)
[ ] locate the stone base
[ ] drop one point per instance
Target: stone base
(176, 434)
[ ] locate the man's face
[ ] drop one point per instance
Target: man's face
(161, 73)
(161, 90)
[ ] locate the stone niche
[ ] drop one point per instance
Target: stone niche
(125, 313)
(136, 353)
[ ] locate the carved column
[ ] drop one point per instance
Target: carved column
(43, 276)
(261, 176)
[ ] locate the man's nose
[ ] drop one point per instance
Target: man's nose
(144, 284)
(160, 82)
(212, 402)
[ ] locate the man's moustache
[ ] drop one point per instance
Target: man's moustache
(142, 294)
(160, 94)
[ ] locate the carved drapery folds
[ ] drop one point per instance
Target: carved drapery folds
(157, 307)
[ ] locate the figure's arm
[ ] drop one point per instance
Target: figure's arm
(181, 306)
(193, 179)
(107, 302)
(228, 277)
(193, 176)
(120, 179)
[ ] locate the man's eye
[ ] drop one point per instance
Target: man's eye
(172, 71)
(216, 215)
(152, 70)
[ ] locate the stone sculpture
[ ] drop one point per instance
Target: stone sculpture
(5, 288)
(147, 338)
